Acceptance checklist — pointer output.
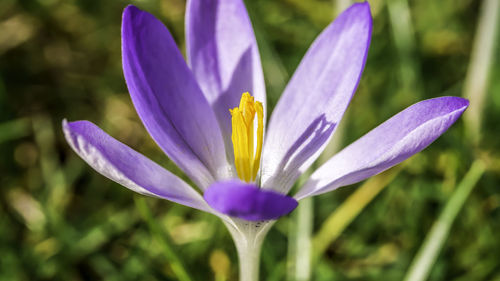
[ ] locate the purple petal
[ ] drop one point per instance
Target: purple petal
(247, 201)
(398, 138)
(169, 100)
(127, 167)
(316, 98)
(223, 55)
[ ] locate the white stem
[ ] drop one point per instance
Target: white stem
(248, 238)
(249, 258)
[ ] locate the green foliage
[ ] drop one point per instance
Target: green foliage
(60, 220)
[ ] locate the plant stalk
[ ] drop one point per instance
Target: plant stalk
(249, 259)
(248, 238)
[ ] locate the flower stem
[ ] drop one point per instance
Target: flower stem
(248, 238)
(249, 259)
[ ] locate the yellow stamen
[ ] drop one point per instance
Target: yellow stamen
(247, 161)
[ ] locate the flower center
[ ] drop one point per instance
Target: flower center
(246, 158)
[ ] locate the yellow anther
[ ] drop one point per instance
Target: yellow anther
(246, 158)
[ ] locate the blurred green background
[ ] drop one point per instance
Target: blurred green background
(60, 220)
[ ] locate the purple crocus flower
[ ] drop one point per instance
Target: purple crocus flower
(184, 107)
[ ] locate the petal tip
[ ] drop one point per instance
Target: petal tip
(462, 102)
(361, 7)
(66, 129)
(74, 124)
(66, 126)
(365, 5)
(453, 103)
(361, 14)
(130, 9)
(132, 14)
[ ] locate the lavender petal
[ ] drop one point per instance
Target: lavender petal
(398, 138)
(316, 98)
(224, 56)
(169, 100)
(127, 167)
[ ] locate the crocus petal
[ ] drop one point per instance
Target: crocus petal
(247, 201)
(398, 138)
(127, 167)
(169, 100)
(223, 55)
(316, 98)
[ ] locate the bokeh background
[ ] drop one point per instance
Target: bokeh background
(60, 220)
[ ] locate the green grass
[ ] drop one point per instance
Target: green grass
(60, 220)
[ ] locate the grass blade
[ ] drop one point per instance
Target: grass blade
(15, 129)
(349, 210)
(426, 256)
(172, 258)
(476, 81)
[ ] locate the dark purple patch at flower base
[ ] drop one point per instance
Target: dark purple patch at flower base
(247, 201)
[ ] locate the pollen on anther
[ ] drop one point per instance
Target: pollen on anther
(246, 154)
